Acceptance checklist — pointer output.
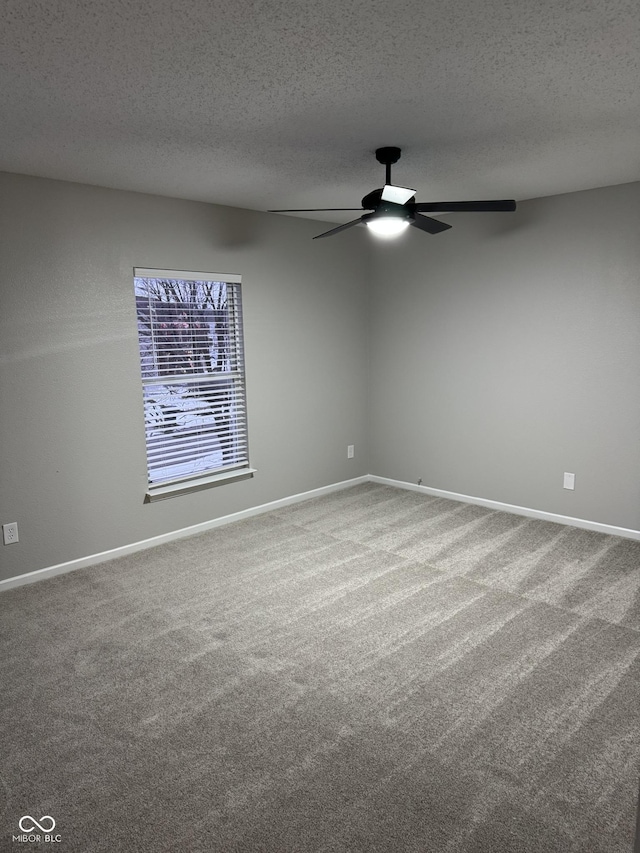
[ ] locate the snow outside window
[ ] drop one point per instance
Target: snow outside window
(192, 365)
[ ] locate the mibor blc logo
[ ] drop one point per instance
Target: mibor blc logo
(37, 830)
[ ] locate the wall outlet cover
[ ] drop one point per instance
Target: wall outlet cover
(10, 533)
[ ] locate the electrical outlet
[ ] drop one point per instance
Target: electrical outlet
(10, 533)
(569, 481)
(350, 451)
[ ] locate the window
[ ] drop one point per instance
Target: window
(192, 365)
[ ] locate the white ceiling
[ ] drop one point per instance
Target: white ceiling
(281, 103)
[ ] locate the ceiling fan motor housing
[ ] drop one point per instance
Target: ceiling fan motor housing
(374, 200)
(389, 209)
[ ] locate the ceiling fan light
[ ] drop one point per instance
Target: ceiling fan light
(387, 226)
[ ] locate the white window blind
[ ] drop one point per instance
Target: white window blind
(192, 365)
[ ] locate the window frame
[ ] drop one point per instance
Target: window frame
(237, 470)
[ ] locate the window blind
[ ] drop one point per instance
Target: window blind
(192, 365)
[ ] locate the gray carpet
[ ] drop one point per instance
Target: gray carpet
(375, 670)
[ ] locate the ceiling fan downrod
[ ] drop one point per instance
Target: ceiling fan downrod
(387, 156)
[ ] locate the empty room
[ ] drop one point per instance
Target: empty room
(319, 426)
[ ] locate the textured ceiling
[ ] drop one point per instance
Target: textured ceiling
(281, 103)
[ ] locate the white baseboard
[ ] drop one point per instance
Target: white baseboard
(516, 510)
(122, 551)
(94, 559)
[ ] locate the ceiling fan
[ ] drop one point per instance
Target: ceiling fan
(394, 208)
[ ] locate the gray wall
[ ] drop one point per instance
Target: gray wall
(507, 351)
(72, 470)
(498, 355)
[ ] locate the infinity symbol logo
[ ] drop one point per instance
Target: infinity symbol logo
(34, 823)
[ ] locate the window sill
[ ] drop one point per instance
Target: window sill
(173, 490)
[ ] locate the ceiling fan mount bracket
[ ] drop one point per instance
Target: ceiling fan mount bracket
(389, 155)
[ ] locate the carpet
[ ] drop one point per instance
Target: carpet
(375, 670)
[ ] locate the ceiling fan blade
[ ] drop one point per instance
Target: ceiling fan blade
(313, 209)
(431, 226)
(397, 195)
(339, 228)
(503, 205)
